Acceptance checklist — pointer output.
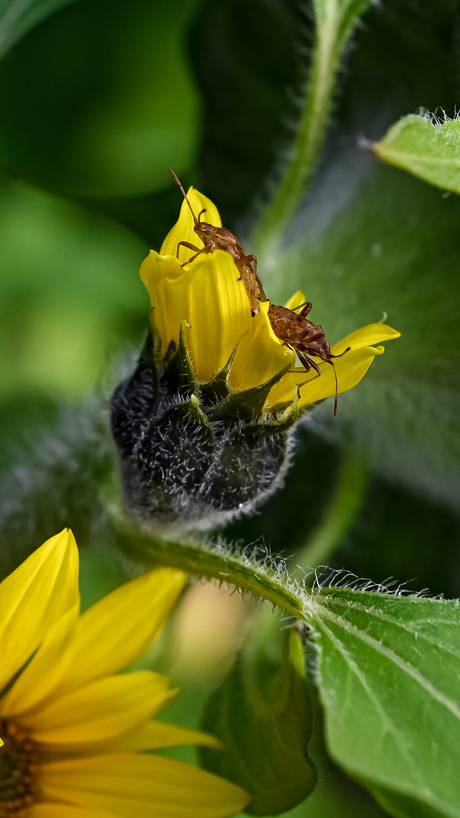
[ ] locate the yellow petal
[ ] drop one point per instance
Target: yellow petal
(295, 300)
(102, 709)
(151, 735)
(154, 734)
(142, 786)
(283, 392)
(365, 337)
(350, 370)
(121, 626)
(210, 296)
(260, 355)
(64, 811)
(168, 302)
(33, 597)
(183, 230)
(46, 669)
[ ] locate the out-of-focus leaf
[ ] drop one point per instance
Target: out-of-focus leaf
(393, 248)
(429, 150)
(261, 713)
(246, 64)
(98, 100)
(372, 240)
(17, 17)
(388, 678)
(69, 294)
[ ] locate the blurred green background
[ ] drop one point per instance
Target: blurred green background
(97, 99)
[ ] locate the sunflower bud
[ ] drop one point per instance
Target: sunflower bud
(203, 424)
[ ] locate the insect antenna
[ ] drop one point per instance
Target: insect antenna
(178, 182)
(336, 387)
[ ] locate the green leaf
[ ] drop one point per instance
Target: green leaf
(424, 148)
(388, 676)
(17, 17)
(262, 715)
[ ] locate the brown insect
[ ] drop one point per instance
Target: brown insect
(303, 337)
(219, 238)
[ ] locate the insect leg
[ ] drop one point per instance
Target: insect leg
(304, 383)
(190, 247)
(308, 362)
(251, 260)
(306, 307)
(342, 353)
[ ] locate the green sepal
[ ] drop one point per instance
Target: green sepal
(191, 410)
(261, 712)
(219, 387)
(279, 419)
(246, 404)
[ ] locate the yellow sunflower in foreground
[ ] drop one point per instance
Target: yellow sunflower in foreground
(209, 294)
(73, 731)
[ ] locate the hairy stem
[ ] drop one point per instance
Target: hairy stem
(245, 573)
(304, 152)
(335, 21)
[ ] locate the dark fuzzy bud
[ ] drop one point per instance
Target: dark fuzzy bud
(194, 455)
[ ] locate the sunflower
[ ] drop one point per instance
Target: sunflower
(205, 290)
(74, 732)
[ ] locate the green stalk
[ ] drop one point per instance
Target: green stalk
(343, 509)
(335, 20)
(308, 141)
(246, 574)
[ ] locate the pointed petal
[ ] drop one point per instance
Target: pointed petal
(102, 709)
(183, 230)
(218, 313)
(137, 785)
(295, 300)
(151, 735)
(166, 283)
(33, 597)
(64, 811)
(260, 354)
(350, 371)
(121, 626)
(350, 368)
(154, 734)
(46, 669)
(365, 337)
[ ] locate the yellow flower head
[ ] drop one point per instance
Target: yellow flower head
(210, 296)
(74, 732)
(203, 423)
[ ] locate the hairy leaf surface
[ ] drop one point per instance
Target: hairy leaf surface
(426, 149)
(388, 674)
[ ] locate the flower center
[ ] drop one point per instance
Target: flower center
(18, 769)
